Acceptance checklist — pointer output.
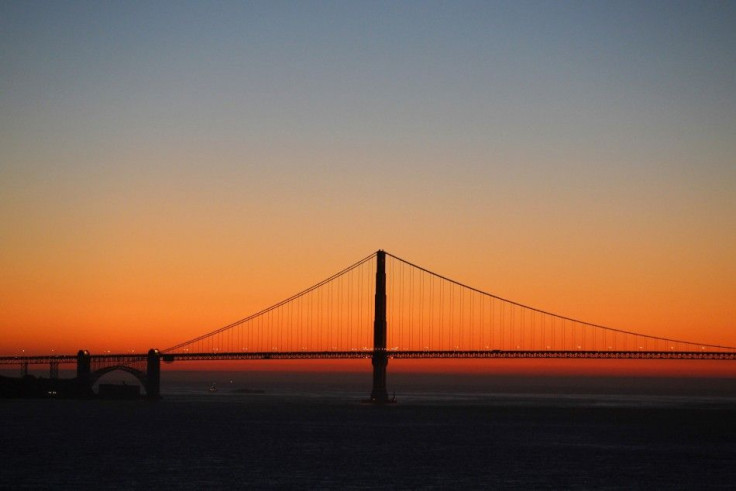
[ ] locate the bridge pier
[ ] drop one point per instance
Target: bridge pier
(380, 357)
(84, 373)
(153, 375)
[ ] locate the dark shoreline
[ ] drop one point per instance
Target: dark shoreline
(32, 387)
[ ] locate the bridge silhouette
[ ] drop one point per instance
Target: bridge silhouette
(385, 307)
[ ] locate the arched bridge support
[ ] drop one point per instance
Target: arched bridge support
(153, 375)
(151, 379)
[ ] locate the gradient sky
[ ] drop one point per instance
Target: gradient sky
(169, 167)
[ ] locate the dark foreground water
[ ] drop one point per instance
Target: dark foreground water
(290, 438)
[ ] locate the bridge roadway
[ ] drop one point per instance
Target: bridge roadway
(127, 358)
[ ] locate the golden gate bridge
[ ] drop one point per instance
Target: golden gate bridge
(384, 307)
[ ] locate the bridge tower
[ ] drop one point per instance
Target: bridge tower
(380, 357)
(153, 374)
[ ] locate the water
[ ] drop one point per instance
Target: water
(313, 432)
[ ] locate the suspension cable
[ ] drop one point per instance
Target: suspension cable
(271, 308)
(557, 316)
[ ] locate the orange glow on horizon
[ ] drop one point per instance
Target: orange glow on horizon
(185, 318)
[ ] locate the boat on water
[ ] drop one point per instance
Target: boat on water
(213, 388)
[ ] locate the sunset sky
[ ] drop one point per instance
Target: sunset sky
(169, 167)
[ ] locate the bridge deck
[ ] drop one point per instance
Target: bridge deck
(398, 354)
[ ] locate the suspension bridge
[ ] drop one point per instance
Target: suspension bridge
(385, 307)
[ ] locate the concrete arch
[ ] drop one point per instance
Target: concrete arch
(138, 374)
